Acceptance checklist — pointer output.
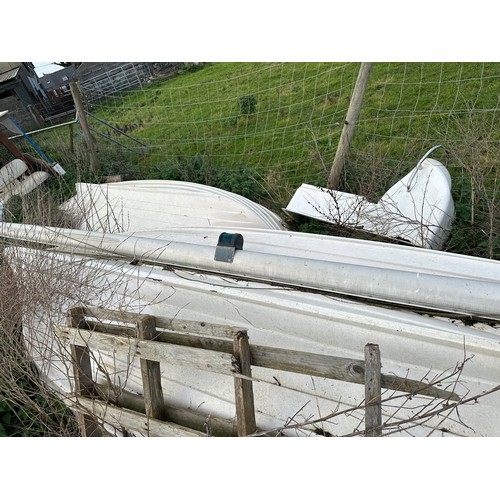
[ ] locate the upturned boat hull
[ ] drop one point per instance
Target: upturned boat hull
(412, 345)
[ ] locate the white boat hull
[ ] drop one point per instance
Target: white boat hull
(307, 293)
(435, 287)
(157, 204)
(14, 181)
(412, 345)
(418, 209)
(11, 172)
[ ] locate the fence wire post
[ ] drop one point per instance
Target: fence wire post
(80, 113)
(349, 123)
(373, 392)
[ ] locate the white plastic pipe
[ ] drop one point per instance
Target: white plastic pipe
(421, 290)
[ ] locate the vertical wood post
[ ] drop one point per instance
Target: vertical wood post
(71, 140)
(82, 119)
(373, 391)
(245, 409)
(150, 371)
(84, 385)
(348, 129)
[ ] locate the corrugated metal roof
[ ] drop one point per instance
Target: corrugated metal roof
(7, 66)
(9, 75)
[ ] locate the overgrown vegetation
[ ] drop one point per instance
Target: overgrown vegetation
(28, 407)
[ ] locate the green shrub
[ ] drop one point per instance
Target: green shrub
(247, 104)
(241, 179)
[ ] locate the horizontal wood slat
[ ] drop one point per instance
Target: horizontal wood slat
(178, 325)
(131, 420)
(320, 365)
(147, 349)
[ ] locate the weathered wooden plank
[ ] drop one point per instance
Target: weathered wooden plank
(112, 315)
(155, 351)
(373, 393)
(186, 417)
(416, 387)
(175, 325)
(84, 385)
(245, 408)
(150, 371)
(320, 365)
(133, 421)
(338, 368)
(196, 330)
(123, 330)
(349, 370)
(200, 341)
(197, 327)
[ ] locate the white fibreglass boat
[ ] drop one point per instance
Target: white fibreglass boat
(418, 209)
(427, 310)
(158, 204)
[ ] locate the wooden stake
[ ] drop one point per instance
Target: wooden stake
(348, 129)
(84, 385)
(37, 118)
(10, 147)
(150, 370)
(71, 140)
(82, 119)
(245, 410)
(373, 394)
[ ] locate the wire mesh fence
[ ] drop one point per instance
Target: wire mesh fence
(265, 128)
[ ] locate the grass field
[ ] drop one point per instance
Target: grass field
(299, 111)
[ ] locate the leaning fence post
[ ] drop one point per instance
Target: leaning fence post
(373, 393)
(245, 410)
(349, 123)
(81, 116)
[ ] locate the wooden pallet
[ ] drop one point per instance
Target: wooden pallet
(216, 348)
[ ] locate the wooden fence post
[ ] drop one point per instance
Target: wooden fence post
(373, 393)
(245, 409)
(150, 371)
(71, 140)
(348, 129)
(84, 385)
(82, 119)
